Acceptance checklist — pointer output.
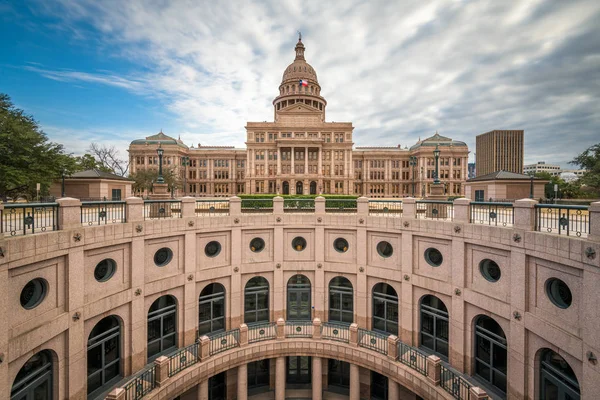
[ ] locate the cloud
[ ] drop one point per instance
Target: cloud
(396, 70)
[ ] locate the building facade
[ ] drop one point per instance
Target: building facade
(301, 153)
(541, 166)
(499, 150)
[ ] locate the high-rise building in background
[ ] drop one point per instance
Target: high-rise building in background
(499, 150)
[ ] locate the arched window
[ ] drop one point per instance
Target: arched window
(258, 377)
(338, 376)
(558, 381)
(434, 325)
(385, 309)
(298, 298)
(256, 300)
(341, 300)
(34, 380)
(211, 309)
(162, 326)
(490, 352)
(217, 387)
(103, 355)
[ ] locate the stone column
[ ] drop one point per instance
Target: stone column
(188, 207)
(203, 390)
(134, 209)
(346, 163)
(116, 394)
(306, 161)
(392, 390)
(69, 213)
(162, 370)
(278, 161)
(293, 163)
(594, 233)
(477, 393)
(409, 208)
(354, 382)
(320, 205)
(362, 206)
(242, 382)
(524, 214)
(434, 369)
(461, 210)
(317, 379)
(277, 205)
(320, 162)
(280, 378)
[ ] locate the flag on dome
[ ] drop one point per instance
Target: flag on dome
(303, 82)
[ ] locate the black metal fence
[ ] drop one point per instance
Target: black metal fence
(211, 207)
(454, 384)
(257, 206)
(434, 209)
(335, 331)
(183, 358)
(340, 206)
(162, 209)
(141, 385)
(103, 212)
(373, 340)
(298, 205)
(223, 341)
(262, 331)
(391, 208)
(298, 329)
(27, 218)
(492, 213)
(563, 220)
(412, 357)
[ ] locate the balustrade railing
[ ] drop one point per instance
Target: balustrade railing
(262, 331)
(492, 213)
(563, 220)
(298, 329)
(434, 209)
(335, 331)
(162, 209)
(103, 212)
(348, 206)
(224, 341)
(211, 207)
(373, 340)
(298, 205)
(387, 208)
(412, 357)
(454, 384)
(183, 358)
(141, 385)
(24, 219)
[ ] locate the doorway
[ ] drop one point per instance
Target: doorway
(299, 188)
(313, 187)
(286, 187)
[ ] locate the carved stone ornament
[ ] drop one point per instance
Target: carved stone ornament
(190, 277)
(457, 291)
(76, 316)
(236, 221)
(517, 315)
(406, 277)
(139, 228)
(591, 357)
(319, 265)
(590, 253)
(278, 219)
(278, 265)
(319, 219)
(406, 224)
(361, 269)
(362, 221)
(235, 269)
(190, 223)
(77, 237)
(138, 292)
(517, 238)
(457, 229)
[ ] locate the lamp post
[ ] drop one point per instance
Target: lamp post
(413, 163)
(278, 189)
(62, 188)
(531, 187)
(185, 161)
(436, 155)
(160, 153)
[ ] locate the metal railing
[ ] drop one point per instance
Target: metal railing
(257, 206)
(335, 331)
(298, 329)
(162, 209)
(454, 384)
(340, 206)
(563, 220)
(183, 358)
(141, 385)
(262, 331)
(24, 219)
(103, 212)
(211, 207)
(412, 357)
(223, 341)
(373, 340)
(298, 205)
(434, 209)
(492, 213)
(391, 208)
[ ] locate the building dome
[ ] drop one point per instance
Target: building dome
(299, 69)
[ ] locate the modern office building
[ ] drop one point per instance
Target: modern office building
(541, 166)
(299, 152)
(499, 150)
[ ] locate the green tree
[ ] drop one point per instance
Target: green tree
(566, 190)
(88, 161)
(28, 157)
(144, 179)
(589, 160)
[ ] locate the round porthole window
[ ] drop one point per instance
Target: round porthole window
(340, 245)
(163, 256)
(257, 245)
(490, 270)
(299, 243)
(34, 293)
(385, 249)
(212, 249)
(105, 269)
(559, 293)
(433, 257)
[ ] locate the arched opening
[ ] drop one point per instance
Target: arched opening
(258, 377)
(385, 309)
(434, 325)
(298, 298)
(299, 187)
(162, 326)
(379, 386)
(558, 381)
(103, 355)
(285, 187)
(256, 300)
(338, 376)
(217, 387)
(211, 306)
(341, 300)
(313, 187)
(34, 380)
(490, 352)
(298, 371)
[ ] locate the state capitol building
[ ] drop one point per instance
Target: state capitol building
(300, 153)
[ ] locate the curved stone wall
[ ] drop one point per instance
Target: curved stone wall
(518, 301)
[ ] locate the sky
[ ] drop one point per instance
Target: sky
(114, 71)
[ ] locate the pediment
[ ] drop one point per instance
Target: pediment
(299, 108)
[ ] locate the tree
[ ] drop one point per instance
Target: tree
(590, 161)
(108, 157)
(568, 190)
(144, 179)
(27, 157)
(87, 162)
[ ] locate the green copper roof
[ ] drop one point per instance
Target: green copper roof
(438, 140)
(160, 138)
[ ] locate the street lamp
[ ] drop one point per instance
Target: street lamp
(531, 187)
(413, 163)
(62, 189)
(185, 161)
(160, 153)
(436, 155)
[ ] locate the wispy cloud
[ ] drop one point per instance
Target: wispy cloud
(396, 70)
